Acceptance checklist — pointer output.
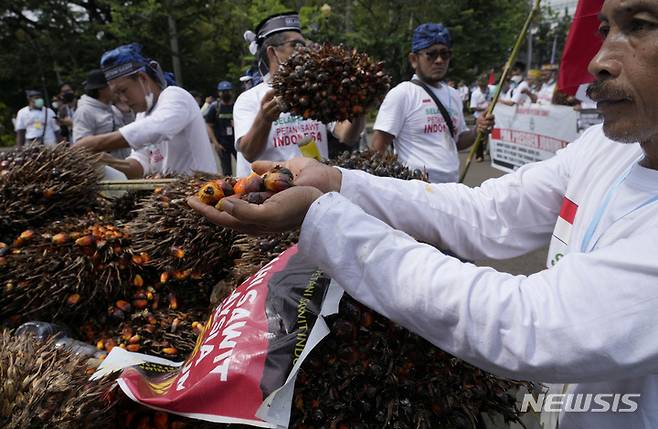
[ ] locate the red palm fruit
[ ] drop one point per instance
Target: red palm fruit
(164, 277)
(226, 186)
(140, 304)
(210, 193)
(278, 180)
(173, 301)
(138, 281)
(170, 351)
(257, 197)
(177, 252)
(26, 235)
(123, 306)
(85, 241)
(73, 299)
(133, 347)
(60, 238)
(251, 183)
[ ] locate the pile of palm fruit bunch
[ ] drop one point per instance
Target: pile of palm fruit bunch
(371, 373)
(66, 270)
(39, 184)
(330, 83)
(180, 242)
(43, 386)
(379, 164)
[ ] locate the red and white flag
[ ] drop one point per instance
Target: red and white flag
(582, 44)
(564, 223)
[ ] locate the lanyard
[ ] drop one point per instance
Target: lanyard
(600, 211)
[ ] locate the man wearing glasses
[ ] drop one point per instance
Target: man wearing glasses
(262, 131)
(423, 118)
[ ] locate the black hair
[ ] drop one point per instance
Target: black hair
(93, 93)
(519, 65)
(63, 84)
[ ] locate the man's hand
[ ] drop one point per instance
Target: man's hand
(485, 123)
(284, 211)
(306, 172)
(270, 108)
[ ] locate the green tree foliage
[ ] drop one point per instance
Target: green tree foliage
(47, 42)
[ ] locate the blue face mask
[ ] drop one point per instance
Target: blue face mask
(38, 103)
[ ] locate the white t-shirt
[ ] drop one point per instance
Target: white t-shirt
(33, 122)
(516, 94)
(545, 94)
(284, 133)
(173, 138)
(590, 320)
(422, 137)
(479, 100)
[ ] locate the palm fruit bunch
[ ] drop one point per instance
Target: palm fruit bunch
(66, 271)
(330, 83)
(378, 164)
(165, 332)
(41, 183)
(371, 373)
(255, 188)
(43, 386)
(181, 244)
(121, 209)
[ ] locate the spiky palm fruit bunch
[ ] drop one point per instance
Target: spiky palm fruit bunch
(41, 386)
(66, 271)
(255, 252)
(121, 209)
(371, 373)
(41, 183)
(372, 162)
(166, 333)
(181, 243)
(330, 83)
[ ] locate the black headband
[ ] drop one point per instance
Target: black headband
(276, 24)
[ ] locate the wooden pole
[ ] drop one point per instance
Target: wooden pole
(503, 79)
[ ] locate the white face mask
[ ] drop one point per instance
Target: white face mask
(148, 98)
(516, 78)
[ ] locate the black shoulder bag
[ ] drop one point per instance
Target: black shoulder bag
(442, 109)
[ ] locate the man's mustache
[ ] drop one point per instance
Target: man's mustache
(603, 90)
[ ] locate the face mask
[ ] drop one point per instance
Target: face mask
(148, 98)
(68, 97)
(38, 103)
(516, 78)
(55, 104)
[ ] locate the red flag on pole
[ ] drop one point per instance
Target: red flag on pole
(581, 46)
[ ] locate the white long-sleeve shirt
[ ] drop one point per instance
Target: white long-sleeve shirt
(590, 320)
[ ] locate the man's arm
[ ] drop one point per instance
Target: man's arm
(213, 138)
(348, 132)
(253, 143)
(482, 124)
(130, 167)
(585, 320)
(381, 141)
(20, 137)
(104, 142)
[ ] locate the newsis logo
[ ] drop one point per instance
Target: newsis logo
(581, 402)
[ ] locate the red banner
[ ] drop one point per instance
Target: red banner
(582, 44)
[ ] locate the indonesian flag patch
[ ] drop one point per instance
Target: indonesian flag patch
(564, 223)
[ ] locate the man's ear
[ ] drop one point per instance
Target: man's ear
(413, 59)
